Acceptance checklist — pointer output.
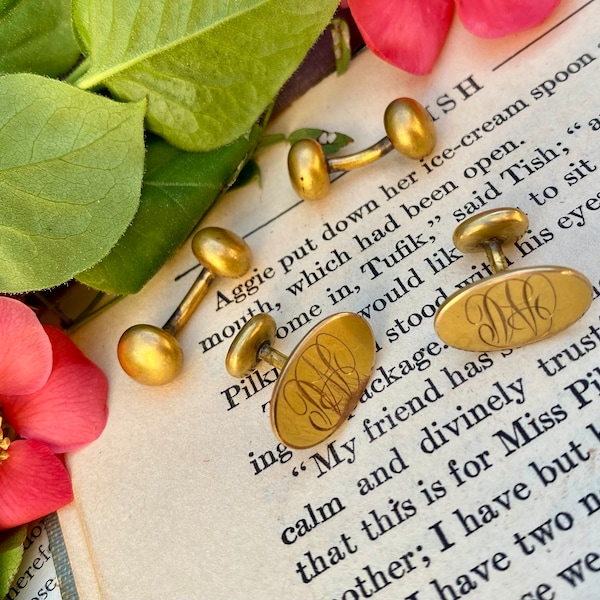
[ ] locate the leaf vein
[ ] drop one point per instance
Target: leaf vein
(90, 81)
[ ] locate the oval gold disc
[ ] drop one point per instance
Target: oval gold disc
(322, 380)
(513, 308)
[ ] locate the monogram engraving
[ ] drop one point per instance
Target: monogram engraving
(324, 383)
(513, 310)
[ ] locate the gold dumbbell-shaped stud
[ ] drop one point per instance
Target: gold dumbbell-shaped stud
(512, 308)
(152, 355)
(319, 384)
(409, 129)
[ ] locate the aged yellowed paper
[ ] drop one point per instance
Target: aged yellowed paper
(460, 474)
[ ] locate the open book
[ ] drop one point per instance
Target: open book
(460, 474)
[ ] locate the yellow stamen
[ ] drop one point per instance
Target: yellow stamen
(4, 444)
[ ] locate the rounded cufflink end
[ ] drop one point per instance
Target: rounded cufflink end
(308, 171)
(410, 128)
(149, 355)
(244, 353)
(222, 252)
(504, 225)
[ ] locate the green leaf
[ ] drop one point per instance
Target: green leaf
(179, 187)
(331, 141)
(70, 175)
(270, 140)
(37, 37)
(11, 554)
(208, 68)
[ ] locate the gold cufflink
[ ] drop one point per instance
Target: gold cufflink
(152, 355)
(409, 129)
(510, 308)
(319, 384)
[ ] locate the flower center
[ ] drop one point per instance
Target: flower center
(4, 442)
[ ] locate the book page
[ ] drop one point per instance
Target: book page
(459, 473)
(38, 576)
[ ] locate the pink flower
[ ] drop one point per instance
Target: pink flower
(52, 400)
(410, 33)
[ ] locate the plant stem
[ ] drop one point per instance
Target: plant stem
(53, 308)
(88, 315)
(78, 71)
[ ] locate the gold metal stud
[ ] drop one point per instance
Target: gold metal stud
(152, 355)
(319, 384)
(510, 308)
(409, 129)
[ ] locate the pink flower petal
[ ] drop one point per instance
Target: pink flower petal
(70, 410)
(406, 33)
(25, 352)
(33, 483)
(495, 18)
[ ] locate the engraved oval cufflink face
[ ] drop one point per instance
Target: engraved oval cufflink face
(319, 384)
(152, 355)
(510, 308)
(409, 129)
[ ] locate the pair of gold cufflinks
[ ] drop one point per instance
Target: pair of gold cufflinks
(509, 309)
(319, 384)
(152, 355)
(322, 380)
